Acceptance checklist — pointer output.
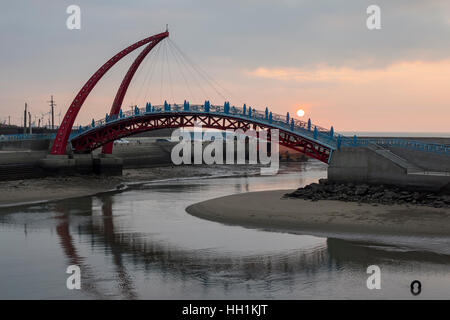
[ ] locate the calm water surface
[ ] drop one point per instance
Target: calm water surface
(141, 244)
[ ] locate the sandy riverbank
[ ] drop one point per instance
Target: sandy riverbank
(56, 188)
(18, 192)
(267, 210)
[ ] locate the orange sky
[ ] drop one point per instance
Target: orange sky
(314, 55)
(406, 96)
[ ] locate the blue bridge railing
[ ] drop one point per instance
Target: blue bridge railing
(30, 136)
(396, 142)
(314, 132)
(307, 129)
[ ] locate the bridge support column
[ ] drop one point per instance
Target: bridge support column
(81, 164)
(107, 164)
(58, 164)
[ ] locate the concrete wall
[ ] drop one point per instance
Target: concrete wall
(429, 161)
(145, 154)
(360, 165)
(21, 157)
(25, 145)
(363, 165)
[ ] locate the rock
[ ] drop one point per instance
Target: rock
(324, 190)
(361, 190)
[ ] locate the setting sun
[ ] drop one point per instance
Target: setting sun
(300, 112)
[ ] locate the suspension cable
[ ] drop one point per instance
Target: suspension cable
(197, 69)
(194, 75)
(180, 67)
(149, 66)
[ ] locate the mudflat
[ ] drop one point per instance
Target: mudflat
(269, 210)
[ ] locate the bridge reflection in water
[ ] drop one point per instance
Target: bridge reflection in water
(130, 251)
(142, 244)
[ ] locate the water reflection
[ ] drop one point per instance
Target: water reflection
(213, 268)
(141, 244)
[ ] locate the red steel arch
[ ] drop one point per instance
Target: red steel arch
(120, 95)
(62, 136)
(102, 135)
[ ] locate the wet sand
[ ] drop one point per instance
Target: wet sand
(268, 210)
(18, 192)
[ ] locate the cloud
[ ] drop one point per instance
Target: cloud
(330, 74)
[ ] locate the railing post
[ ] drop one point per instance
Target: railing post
(243, 109)
(339, 141)
(331, 132)
(106, 118)
(270, 117)
(355, 140)
(148, 107)
(266, 113)
(292, 124)
(315, 132)
(249, 112)
(136, 110)
(93, 123)
(121, 113)
(287, 118)
(226, 107)
(309, 124)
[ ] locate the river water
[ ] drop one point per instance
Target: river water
(141, 244)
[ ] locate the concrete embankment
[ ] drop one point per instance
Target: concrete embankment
(391, 166)
(31, 160)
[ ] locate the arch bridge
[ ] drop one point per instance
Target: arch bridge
(305, 137)
(314, 141)
(302, 136)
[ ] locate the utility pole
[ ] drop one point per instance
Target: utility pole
(29, 122)
(25, 119)
(52, 105)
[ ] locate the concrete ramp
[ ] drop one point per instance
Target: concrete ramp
(408, 166)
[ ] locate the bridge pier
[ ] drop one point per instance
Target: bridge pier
(107, 164)
(58, 164)
(81, 164)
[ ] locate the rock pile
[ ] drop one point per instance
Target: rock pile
(325, 190)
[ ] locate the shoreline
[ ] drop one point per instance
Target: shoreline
(32, 191)
(268, 210)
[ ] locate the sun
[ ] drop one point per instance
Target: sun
(300, 112)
